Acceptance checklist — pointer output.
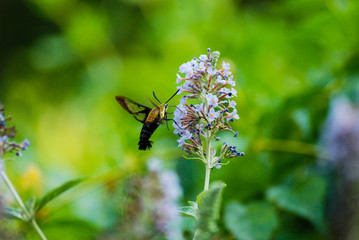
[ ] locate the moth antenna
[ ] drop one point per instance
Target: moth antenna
(156, 97)
(172, 96)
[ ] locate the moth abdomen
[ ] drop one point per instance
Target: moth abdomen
(147, 130)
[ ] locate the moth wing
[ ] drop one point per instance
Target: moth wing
(139, 111)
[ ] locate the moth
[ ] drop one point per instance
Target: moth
(150, 117)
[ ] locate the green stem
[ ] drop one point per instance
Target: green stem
(38, 229)
(206, 180)
(208, 161)
(21, 204)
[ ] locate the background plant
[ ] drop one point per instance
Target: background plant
(62, 62)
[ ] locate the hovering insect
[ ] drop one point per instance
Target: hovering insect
(151, 118)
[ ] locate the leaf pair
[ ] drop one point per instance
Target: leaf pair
(206, 211)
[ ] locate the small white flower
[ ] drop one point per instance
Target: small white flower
(230, 93)
(231, 82)
(183, 100)
(233, 115)
(194, 64)
(212, 115)
(185, 68)
(185, 86)
(187, 134)
(212, 71)
(201, 67)
(220, 80)
(203, 57)
(179, 113)
(177, 130)
(198, 107)
(232, 104)
(225, 65)
(212, 100)
(180, 141)
(178, 79)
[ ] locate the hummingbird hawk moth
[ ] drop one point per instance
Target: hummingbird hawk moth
(150, 117)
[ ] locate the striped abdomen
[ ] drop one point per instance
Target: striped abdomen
(147, 130)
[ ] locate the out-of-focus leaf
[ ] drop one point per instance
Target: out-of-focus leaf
(303, 196)
(190, 211)
(200, 197)
(208, 214)
(56, 192)
(255, 221)
(14, 213)
(31, 204)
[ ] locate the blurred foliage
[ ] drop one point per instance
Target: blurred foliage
(63, 61)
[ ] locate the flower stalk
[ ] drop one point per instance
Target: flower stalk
(9, 146)
(29, 217)
(197, 124)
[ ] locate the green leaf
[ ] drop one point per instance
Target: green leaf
(208, 212)
(302, 195)
(14, 213)
(255, 221)
(190, 211)
(56, 192)
(30, 205)
(200, 197)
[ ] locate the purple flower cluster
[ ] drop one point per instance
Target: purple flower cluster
(165, 207)
(6, 136)
(206, 108)
(340, 137)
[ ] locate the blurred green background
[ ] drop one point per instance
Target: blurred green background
(63, 61)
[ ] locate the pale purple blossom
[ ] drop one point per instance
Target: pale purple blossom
(165, 208)
(199, 107)
(7, 134)
(183, 100)
(230, 81)
(212, 114)
(186, 68)
(230, 92)
(226, 67)
(232, 104)
(233, 115)
(220, 80)
(178, 79)
(203, 57)
(201, 67)
(212, 100)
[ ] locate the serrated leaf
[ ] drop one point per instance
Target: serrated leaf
(14, 213)
(56, 192)
(255, 221)
(208, 212)
(303, 196)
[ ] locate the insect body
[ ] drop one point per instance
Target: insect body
(151, 118)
